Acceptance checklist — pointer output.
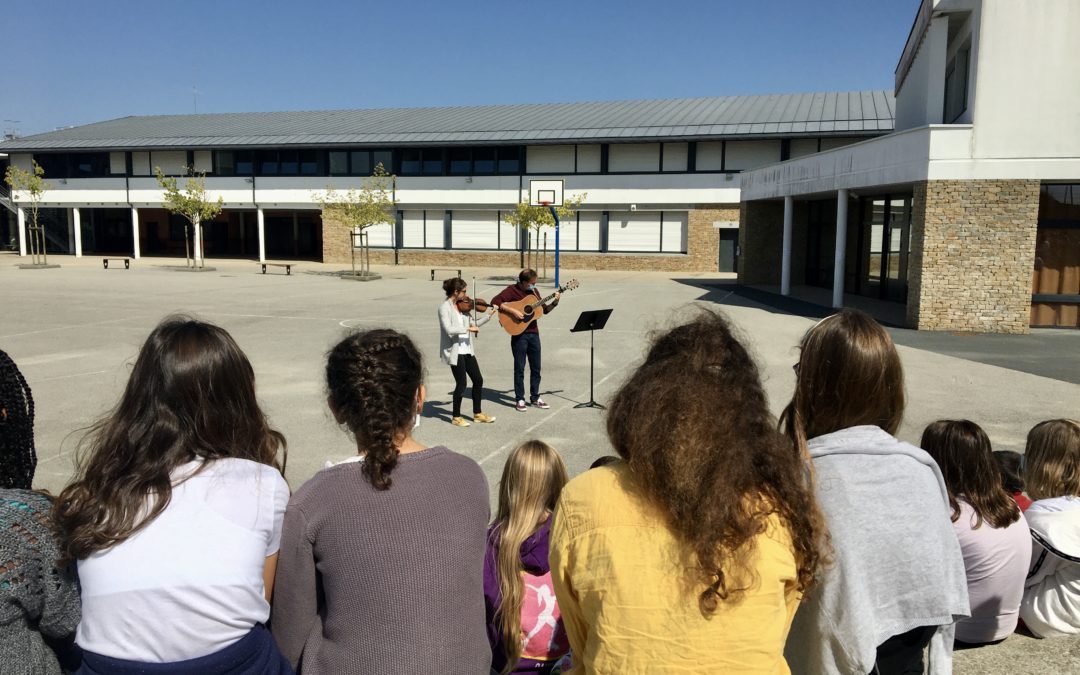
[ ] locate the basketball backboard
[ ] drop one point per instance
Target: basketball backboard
(545, 193)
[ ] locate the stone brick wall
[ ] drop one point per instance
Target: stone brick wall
(972, 255)
(761, 242)
(702, 246)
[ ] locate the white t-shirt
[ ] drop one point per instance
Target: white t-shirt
(191, 582)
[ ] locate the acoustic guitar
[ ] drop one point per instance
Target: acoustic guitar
(531, 307)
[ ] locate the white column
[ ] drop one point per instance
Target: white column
(841, 248)
(71, 232)
(262, 235)
(22, 231)
(135, 233)
(785, 264)
(198, 243)
(76, 218)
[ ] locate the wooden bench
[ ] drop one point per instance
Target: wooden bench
(443, 269)
(287, 266)
(127, 262)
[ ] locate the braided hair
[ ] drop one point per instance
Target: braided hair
(18, 458)
(373, 378)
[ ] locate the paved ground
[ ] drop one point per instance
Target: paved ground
(75, 331)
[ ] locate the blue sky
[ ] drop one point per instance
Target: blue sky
(69, 63)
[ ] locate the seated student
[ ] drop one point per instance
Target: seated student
(175, 514)
(1009, 464)
(993, 534)
(692, 554)
(382, 558)
(1051, 605)
(897, 582)
(603, 461)
(39, 601)
(523, 623)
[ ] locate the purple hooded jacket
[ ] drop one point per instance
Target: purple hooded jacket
(534, 556)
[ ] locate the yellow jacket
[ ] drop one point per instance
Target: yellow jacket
(629, 601)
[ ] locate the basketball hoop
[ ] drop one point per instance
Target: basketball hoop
(545, 203)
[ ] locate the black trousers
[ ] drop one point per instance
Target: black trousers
(467, 365)
(903, 654)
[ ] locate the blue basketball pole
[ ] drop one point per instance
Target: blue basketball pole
(555, 215)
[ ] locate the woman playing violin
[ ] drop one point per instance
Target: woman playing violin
(457, 328)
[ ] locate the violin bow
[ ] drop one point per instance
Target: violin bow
(476, 335)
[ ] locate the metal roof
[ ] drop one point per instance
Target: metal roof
(854, 113)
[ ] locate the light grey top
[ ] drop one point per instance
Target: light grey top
(856, 113)
(454, 332)
(37, 600)
(386, 581)
(897, 563)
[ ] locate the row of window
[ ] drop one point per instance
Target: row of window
(513, 160)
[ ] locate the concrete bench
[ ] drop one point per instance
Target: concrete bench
(287, 266)
(126, 261)
(443, 269)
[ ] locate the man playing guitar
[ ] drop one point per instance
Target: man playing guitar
(527, 344)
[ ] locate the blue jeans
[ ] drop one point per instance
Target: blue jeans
(526, 346)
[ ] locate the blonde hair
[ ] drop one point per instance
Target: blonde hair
(1052, 459)
(531, 482)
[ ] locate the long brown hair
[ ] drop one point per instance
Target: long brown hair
(694, 426)
(532, 480)
(963, 453)
(1052, 459)
(849, 374)
(374, 378)
(191, 395)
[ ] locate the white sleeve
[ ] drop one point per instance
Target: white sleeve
(279, 500)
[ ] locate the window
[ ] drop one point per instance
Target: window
(483, 160)
(54, 165)
(433, 161)
(510, 160)
(956, 84)
(225, 163)
(460, 162)
(339, 163)
(360, 163)
(384, 157)
(245, 162)
(89, 164)
(268, 162)
(309, 162)
(289, 162)
(410, 162)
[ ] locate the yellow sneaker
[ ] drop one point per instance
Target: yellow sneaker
(459, 422)
(483, 419)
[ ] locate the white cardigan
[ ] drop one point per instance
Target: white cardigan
(452, 325)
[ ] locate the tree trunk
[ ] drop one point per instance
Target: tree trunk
(187, 248)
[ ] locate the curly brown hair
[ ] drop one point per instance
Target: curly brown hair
(693, 423)
(374, 378)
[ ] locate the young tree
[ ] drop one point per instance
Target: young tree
(191, 203)
(533, 219)
(358, 210)
(32, 184)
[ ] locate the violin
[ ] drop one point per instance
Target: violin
(467, 305)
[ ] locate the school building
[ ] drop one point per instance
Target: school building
(958, 194)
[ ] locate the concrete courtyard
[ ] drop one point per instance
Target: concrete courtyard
(75, 331)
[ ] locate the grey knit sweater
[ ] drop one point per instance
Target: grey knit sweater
(387, 581)
(36, 599)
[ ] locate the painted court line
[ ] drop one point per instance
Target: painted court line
(551, 416)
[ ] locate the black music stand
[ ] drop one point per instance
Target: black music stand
(591, 321)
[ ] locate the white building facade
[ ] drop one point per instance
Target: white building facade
(969, 212)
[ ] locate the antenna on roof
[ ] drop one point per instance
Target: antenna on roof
(195, 98)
